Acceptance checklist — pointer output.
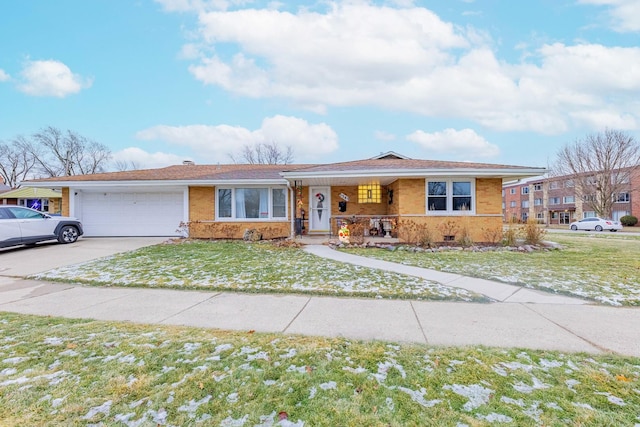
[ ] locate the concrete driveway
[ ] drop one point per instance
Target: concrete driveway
(22, 261)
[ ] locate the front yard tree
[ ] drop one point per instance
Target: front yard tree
(16, 162)
(601, 166)
(264, 154)
(67, 153)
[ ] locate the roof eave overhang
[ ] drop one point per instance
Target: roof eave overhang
(416, 173)
(156, 183)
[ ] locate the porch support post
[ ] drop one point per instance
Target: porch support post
(292, 195)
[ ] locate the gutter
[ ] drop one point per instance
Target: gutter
(154, 183)
(417, 173)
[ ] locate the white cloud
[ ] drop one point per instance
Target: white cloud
(217, 143)
(624, 15)
(4, 76)
(384, 136)
(145, 160)
(408, 59)
(51, 78)
(458, 143)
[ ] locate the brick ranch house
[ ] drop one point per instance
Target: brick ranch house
(222, 201)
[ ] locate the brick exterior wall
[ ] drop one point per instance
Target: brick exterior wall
(202, 224)
(634, 194)
(411, 197)
(355, 208)
(201, 203)
(235, 229)
(409, 204)
(393, 208)
(559, 188)
(479, 228)
(65, 201)
(488, 196)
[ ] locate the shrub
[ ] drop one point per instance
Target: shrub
(533, 234)
(415, 233)
(464, 237)
(511, 233)
(449, 230)
(628, 220)
(356, 231)
(492, 235)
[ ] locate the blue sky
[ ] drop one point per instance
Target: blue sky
(158, 82)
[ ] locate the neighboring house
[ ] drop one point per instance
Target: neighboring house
(553, 200)
(222, 201)
(41, 199)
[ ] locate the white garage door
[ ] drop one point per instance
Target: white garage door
(131, 214)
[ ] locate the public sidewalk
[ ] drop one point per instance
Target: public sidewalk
(524, 319)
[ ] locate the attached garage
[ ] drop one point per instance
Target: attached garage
(140, 213)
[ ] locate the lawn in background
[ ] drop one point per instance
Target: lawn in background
(78, 372)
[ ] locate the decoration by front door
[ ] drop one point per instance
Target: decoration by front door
(319, 209)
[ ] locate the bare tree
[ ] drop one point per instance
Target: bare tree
(64, 154)
(16, 162)
(264, 154)
(601, 166)
(125, 165)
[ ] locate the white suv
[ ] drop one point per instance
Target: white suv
(24, 226)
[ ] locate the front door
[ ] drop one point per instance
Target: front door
(320, 212)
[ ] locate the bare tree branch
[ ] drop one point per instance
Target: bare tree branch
(65, 154)
(16, 162)
(264, 154)
(601, 166)
(125, 165)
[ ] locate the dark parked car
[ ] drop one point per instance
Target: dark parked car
(24, 226)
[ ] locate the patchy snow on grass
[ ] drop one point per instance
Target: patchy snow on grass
(259, 267)
(477, 394)
(115, 379)
(608, 281)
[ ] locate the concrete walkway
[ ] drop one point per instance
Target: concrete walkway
(494, 290)
(539, 325)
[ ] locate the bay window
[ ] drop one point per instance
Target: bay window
(450, 196)
(259, 203)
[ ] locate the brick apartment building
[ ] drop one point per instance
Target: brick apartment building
(553, 200)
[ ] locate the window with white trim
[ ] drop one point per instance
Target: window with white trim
(619, 214)
(622, 198)
(255, 203)
(37, 204)
(450, 196)
(525, 190)
(537, 202)
(525, 203)
(569, 199)
(512, 191)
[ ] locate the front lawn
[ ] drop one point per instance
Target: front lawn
(247, 267)
(77, 372)
(600, 267)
